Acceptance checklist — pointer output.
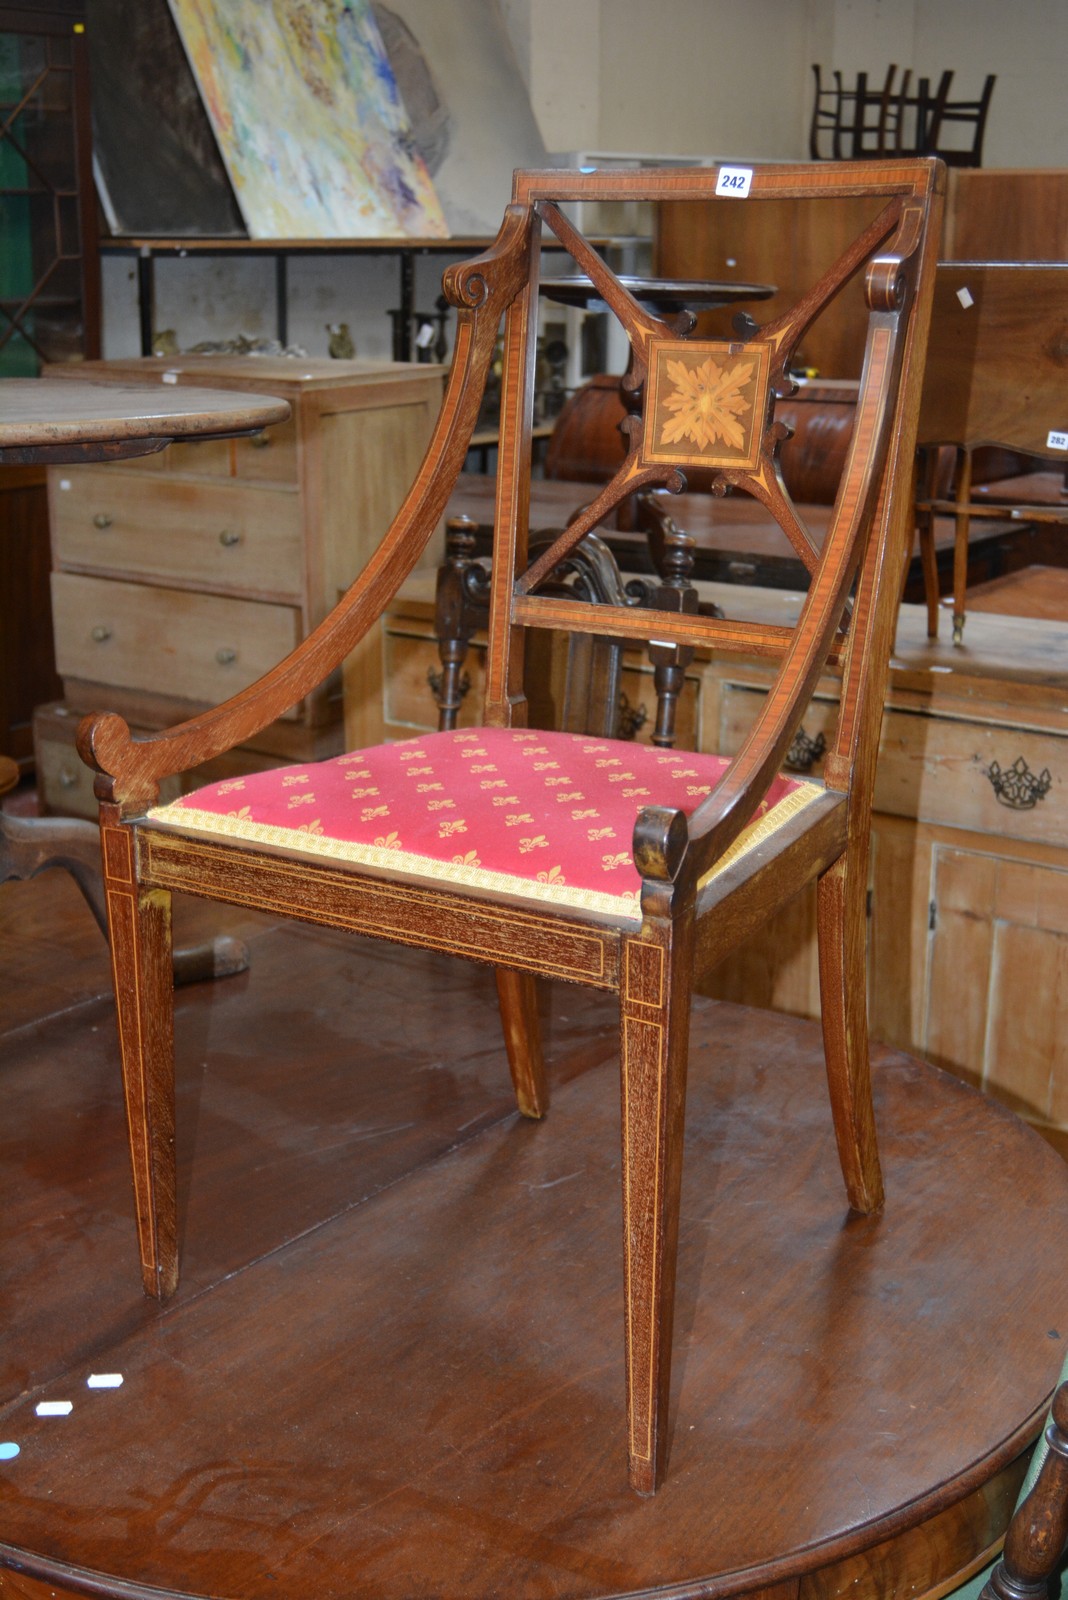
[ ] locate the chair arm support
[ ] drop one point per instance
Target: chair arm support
(129, 770)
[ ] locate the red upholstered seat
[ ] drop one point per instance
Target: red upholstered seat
(546, 815)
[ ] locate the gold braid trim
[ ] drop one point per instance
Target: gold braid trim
(763, 827)
(231, 826)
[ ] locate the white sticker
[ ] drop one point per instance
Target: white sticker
(734, 181)
(64, 483)
(424, 336)
(104, 1380)
(55, 1408)
(170, 377)
(1057, 441)
(965, 298)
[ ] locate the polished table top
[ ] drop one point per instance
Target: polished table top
(42, 420)
(392, 1368)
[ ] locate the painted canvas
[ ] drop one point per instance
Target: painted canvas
(470, 110)
(309, 120)
(157, 166)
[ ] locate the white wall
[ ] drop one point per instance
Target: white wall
(733, 77)
(674, 77)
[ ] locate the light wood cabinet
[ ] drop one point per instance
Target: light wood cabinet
(179, 578)
(968, 944)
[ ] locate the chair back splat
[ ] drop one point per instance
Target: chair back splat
(569, 854)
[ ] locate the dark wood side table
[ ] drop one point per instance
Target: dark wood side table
(54, 424)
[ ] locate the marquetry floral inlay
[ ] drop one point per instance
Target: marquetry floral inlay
(706, 403)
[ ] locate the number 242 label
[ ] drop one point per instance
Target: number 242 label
(734, 181)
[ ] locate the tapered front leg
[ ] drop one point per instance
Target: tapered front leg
(517, 996)
(842, 937)
(655, 1027)
(139, 921)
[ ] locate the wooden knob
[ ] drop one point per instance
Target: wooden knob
(101, 520)
(225, 656)
(229, 537)
(100, 633)
(260, 441)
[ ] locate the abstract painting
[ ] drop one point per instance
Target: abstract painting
(308, 118)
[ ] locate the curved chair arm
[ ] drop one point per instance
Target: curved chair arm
(129, 770)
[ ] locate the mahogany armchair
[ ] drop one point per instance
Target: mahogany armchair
(621, 867)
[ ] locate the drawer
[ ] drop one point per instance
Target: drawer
(269, 456)
(225, 536)
(986, 777)
(961, 773)
(198, 647)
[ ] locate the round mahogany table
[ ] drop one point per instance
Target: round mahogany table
(392, 1368)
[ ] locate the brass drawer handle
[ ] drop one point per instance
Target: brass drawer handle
(225, 656)
(737, 570)
(101, 520)
(229, 537)
(260, 441)
(100, 634)
(1017, 786)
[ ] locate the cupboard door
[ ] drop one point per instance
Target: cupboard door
(999, 978)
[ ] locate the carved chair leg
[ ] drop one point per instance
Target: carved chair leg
(962, 523)
(926, 473)
(655, 1027)
(1038, 1532)
(517, 996)
(842, 937)
(929, 565)
(140, 922)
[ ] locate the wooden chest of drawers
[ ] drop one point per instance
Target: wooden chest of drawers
(179, 578)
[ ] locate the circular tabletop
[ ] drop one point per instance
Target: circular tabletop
(393, 1367)
(42, 420)
(655, 294)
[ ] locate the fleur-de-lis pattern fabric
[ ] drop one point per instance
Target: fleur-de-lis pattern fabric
(546, 815)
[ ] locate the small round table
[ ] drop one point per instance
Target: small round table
(59, 423)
